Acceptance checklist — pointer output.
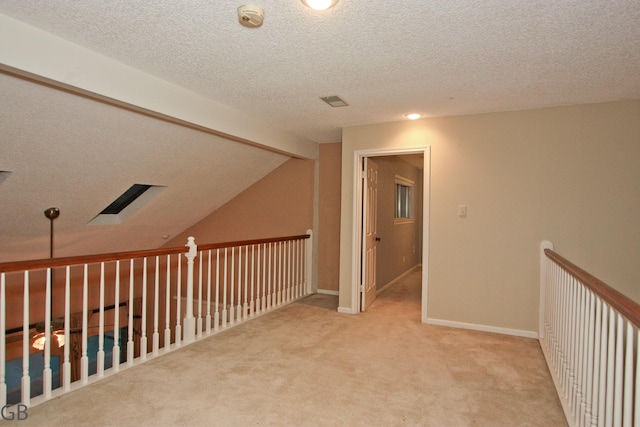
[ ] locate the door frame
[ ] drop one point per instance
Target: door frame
(358, 158)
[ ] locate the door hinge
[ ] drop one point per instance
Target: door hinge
(361, 288)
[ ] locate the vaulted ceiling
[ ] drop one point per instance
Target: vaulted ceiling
(385, 59)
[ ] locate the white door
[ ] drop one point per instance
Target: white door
(369, 233)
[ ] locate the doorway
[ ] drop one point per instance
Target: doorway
(362, 224)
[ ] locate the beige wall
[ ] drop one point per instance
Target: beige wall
(567, 174)
(280, 204)
(329, 216)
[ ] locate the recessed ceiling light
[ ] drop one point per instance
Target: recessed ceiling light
(319, 4)
(413, 116)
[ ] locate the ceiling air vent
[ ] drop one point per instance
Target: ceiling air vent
(334, 101)
(128, 203)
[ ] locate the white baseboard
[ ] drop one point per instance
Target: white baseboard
(345, 310)
(326, 292)
(483, 328)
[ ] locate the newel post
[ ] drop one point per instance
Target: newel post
(544, 262)
(308, 263)
(190, 321)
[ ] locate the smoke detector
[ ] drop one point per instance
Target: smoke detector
(250, 15)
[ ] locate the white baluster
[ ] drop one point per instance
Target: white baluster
(308, 260)
(179, 304)
(300, 268)
(84, 359)
(550, 326)
(208, 320)
(216, 314)
(189, 320)
(573, 336)
(259, 282)
(26, 379)
(100, 355)
(116, 322)
(589, 350)
(224, 292)
(288, 259)
(269, 293)
(246, 284)
(636, 410)
(199, 318)
(239, 287)
(627, 413)
(580, 352)
(143, 322)
(619, 364)
(556, 310)
(46, 373)
(597, 347)
(279, 275)
(231, 293)
(611, 356)
(252, 303)
(604, 363)
(155, 340)
(167, 307)
(264, 276)
(3, 349)
(130, 342)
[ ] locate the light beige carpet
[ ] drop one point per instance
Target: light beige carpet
(307, 365)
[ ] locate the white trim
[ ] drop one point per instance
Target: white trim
(327, 292)
(358, 155)
(392, 282)
(483, 328)
(345, 310)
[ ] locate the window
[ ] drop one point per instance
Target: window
(404, 200)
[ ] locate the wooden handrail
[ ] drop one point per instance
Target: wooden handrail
(250, 242)
(618, 301)
(8, 267)
(36, 264)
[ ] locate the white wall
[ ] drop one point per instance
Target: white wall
(566, 174)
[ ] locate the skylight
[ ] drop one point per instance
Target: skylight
(135, 191)
(128, 203)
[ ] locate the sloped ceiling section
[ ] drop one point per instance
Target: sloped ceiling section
(78, 154)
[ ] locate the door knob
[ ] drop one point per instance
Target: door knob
(377, 239)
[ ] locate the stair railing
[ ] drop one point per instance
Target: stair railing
(589, 334)
(67, 322)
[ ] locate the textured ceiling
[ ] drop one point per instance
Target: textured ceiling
(384, 58)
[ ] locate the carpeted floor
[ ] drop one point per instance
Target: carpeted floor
(307, 365)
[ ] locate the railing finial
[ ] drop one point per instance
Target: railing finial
(193, 248)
